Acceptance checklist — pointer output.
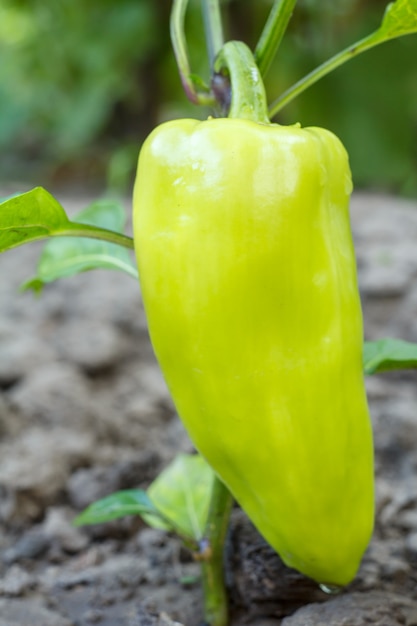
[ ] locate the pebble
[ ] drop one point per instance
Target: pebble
(31, 546)
(54, 394)
(19, 355)
(35, 469)
(408, 520)
(116, 571)
(16, 581)
(104, 348)
(29, 612)
(58, 526)
(356, 609)
(411, 544)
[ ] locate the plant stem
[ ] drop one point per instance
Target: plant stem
(273, 33)
(244, 97)
(322, 70)
(213, 27)
(212, 566)
(179, 45)
(73, 229)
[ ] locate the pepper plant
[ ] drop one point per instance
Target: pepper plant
(247, 270)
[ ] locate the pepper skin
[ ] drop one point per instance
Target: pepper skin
(248, 277)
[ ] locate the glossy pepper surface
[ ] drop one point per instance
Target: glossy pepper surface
(248, 277)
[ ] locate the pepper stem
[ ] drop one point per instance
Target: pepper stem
(212, 561)
(242, 93)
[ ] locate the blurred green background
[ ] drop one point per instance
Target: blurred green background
(82, 82)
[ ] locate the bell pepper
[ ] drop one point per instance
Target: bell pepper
(248, 277)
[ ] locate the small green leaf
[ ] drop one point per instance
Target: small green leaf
(119, 504)
(388, 354)
(400, 18)
(182, 494)
(178, 500)
(37, 215)
(67, 256)
(30, 216)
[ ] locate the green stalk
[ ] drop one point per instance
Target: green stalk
(179, 45)
(245, 96)
(212, 565)
(322, 70)
(273, 33)
(72, 229)
(213, 27)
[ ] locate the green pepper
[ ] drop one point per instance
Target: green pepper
(248, 277)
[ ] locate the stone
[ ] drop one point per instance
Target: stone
(104, 348)
(29, 612)
(36, 468)
(16, 581)
(58, 527)
(355, 609)
(54, 394)
(21, 354)
(32, 545)
(411, 544)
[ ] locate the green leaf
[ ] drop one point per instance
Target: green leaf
(389, 354)
(119, 504)
(36, 215)
(182, 494)
(400, 18)
(30, 216)
(178, 500)
(67, 256)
